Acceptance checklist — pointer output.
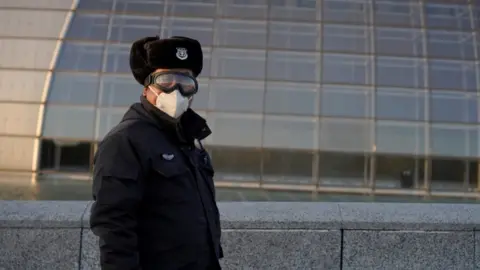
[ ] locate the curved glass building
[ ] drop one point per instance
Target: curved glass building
(345, 96)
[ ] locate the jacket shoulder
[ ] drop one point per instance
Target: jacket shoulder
(118, 152)
(131, 129)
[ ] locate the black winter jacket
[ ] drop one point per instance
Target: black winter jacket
(154, 196)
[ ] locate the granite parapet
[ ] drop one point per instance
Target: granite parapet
(267, 235)
(42, 214)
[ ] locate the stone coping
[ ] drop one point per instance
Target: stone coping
(271, 215)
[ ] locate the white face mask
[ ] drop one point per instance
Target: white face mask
(173, 104)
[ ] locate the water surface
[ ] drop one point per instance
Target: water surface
(22, 187)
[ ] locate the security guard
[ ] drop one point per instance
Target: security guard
(154, 197)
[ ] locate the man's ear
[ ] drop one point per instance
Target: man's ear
(144, 93)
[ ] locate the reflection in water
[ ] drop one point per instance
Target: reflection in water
(23, 187)
(26, 187)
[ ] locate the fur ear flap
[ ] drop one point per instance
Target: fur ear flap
(139, 60)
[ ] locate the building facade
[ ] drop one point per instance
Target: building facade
(313, 95)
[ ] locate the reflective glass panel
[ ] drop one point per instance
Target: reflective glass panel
(453, 107)
(19, 119)
(389, 169)
(202, 97)
(128, 28)
(450, 140)
(73, 88)
(400, 72)
(251, 9)
(460, 2)
(239, 33)
(107, 119)
(118, 57)
(80, 57)
(345, 38)
(455, 75)
(291, 98)
(294, 36)
(447, 16)
(343, 68)
(17, 154)
(477, 43)
(449, 174)
(347, 11)
(118, 90)
(196, 28)
(476, 15)
(398, 13)
(394, 41)
(134, 6)
(239, 130)
(207, 60)
(445, 44)
(293, 66)
(196, 8)
(400, 137)
(88, 26)
(345, 101)
(237, 96)
(236, 164)
(65, 156)
(346, 135)
(288, 132)
(21, 85)
(21, 53)
(473, 175)
(343, 169)
(473, 139)
(74, 156)
(97, 5)
(303, 10)
(47, 154)
(69, 122)
(400, 104)
(287, 167)
(246, 64)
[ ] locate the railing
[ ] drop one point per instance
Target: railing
(275, 235)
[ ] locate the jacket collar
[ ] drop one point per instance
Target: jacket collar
(190, 127)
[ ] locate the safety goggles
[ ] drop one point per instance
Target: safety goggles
(169, 81)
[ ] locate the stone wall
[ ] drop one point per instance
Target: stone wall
(55, 235)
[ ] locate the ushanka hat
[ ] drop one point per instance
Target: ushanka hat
(151, 53)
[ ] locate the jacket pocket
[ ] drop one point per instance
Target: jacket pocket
(172, 181)
(169, 168)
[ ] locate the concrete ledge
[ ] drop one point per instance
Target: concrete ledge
(409, 216)
(35, 249)
(408, 250)
(42, 214)
(257, 235)
(360, 216)
(280, 215)
(281, 249)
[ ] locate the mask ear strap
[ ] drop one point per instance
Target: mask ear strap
(200, 144)
(151, 90)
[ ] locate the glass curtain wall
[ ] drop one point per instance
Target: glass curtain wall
(29, 34)
(360, 96)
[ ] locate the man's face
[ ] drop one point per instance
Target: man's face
(151, 97)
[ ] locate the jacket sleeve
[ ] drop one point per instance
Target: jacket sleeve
(117, 192)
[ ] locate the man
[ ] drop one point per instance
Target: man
(153, 185)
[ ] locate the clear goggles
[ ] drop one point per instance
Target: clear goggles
(170, 81)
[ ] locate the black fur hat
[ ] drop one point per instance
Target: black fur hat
(151, 53)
